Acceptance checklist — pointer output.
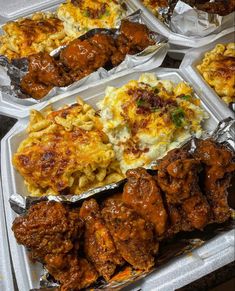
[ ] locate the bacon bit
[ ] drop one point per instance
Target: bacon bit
(148, 101)
(77, 3)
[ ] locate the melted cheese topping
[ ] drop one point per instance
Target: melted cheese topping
(26, 36)
(218, 69)
(144, 119)
(81, 16)
(66, 150)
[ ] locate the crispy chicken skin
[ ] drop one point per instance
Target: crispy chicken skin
(143, 195)
(178, 177)
(51, 232)
(72, 272)
(219, 164)
(48, 228)
(132, 235)
(98, 244)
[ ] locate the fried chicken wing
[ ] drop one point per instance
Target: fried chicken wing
(221, 7)
(72, 272)
(178, 177)
(48, 228)
(143, 195)
(133, 38)
(34, 88)
(98, 244)
(52, 231)
(219, 165)
(89, 54)
(137, 34)
(132, 235)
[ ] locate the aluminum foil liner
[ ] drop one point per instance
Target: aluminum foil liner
(183, 19)
(181, 244)
(12, 73)
(189, 21)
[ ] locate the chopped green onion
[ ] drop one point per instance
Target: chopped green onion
(177, 117)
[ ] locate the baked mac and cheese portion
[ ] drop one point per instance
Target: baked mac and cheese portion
(43, 32)
(218, 70)
(66, 152)
(80, 16)
(144, 119)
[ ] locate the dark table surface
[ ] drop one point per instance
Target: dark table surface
(222, 279)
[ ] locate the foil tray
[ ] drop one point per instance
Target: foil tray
(182, 40)
(189, 66)
(182, 270)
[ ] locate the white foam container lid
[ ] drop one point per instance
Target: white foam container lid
(218, 252)
(6, 278)
(179, 39)
(189, 66)
(12, 9)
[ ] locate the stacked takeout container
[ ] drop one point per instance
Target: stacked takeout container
(180, 38)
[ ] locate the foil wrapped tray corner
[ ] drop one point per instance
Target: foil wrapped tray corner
(188, 21)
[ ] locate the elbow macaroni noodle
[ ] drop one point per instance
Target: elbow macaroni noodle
(66, 151)
(218, 70)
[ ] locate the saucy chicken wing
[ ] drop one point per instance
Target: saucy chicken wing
(48, 228)
(89, 54)
(219, 165)
(81, 57)
(72, 272)
(132, 235)
(143, 195)
(98, 244)
(44, 73)
(178, 177)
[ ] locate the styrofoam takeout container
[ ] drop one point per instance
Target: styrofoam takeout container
(189, 66)
(12, 9)
(218, 252)
(21, 108)
(181, 40)
(6, 278)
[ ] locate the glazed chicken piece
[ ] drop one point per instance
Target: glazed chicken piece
(48, 228)
(33, 88)
(51, 232)
(143, 195)
(178, 177)
(219, 165)
(132, 235)
(89, 54)
(44, 73)
(72, 272)
(99, 247)
(221, 7)
(134, 37)
(137, 34)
